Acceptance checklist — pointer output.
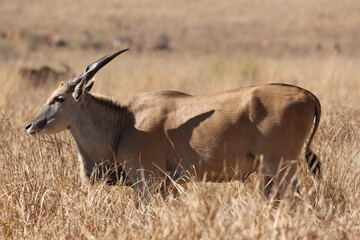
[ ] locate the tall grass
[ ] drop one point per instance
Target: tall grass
(42, 197)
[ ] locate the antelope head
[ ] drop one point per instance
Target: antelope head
(61, 107)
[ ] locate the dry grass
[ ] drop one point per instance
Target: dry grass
(213, 46)
(274, 27)
(42, 197)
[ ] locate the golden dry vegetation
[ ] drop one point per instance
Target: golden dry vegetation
(197, 47)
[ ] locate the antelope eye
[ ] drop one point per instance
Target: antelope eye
(59, 99)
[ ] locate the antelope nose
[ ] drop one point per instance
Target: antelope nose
(28, 126)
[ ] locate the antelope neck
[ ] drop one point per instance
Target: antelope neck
(98, 128)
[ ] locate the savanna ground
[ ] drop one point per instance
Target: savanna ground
(198, 47)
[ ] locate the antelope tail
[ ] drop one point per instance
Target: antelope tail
(311, 158)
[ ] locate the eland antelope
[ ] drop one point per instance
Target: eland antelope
(217, 137)
(39, 76)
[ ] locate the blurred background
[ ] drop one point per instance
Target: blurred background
(197, 47)
(46, 30)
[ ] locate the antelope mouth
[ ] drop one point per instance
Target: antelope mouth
(33, 133)
(34, 128)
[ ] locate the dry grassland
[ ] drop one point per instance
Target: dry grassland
(42, 197)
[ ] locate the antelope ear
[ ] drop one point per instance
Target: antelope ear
(79, 89)
(89, 86)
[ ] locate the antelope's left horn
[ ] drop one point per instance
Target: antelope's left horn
(93, 68)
